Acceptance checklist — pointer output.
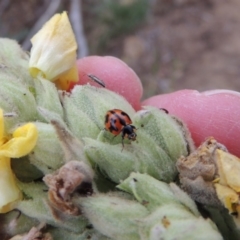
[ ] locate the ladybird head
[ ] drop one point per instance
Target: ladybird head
(129, 131)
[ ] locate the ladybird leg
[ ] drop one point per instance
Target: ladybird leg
(122, 145)
(122, 140)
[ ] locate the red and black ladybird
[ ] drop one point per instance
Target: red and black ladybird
(117, 121)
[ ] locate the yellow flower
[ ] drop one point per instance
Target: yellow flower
(229, 170)
(227, 185)
(53, 53)
(227, 196)
(19, 144)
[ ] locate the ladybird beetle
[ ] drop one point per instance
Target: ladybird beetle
(117, 121)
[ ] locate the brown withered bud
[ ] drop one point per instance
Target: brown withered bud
(198, 171)
(73, 178)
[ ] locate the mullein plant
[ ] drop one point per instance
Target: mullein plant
(64, 177)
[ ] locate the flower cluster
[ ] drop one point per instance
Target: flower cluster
(61, 168)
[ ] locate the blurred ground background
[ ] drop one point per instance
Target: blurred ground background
(171, 44)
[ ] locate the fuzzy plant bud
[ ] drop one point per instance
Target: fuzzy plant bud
(163, 212)
(114, 217)
(53, 54)
(34, 233)
(160, 141)
(36, 205)
(14, 62)
(169, 132)
(157, 194)
(47, 155)
(24, 170)
(72, 146)
(172, 213)
(14, 222)
(57, 141)
(86, 106)
(93, 234)
(47, 99)
(174, 222)
(16, 92)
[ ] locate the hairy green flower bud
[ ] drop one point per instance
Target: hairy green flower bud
(118, 164)
(36, 205)
(17, 101)
(86, 106)
(47, 155)
(59, 233)
(167, 131)
(36, 232)
(47, 97)
(14, 61)
(153, 193)
(161, 139)
(174, 222)
(173, 213)
(114, 217)
(15, 222)
(24, 170)
(161, 215)
(16, 98)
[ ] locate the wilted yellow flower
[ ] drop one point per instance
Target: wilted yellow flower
(211, 176)
(228, 184)
(53, 54)
(8, 188)
(227, 196)
(229, 169)
(19, 144)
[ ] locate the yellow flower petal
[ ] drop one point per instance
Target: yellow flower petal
(54, 48)
(229, 169)
(64, 80)
(9, 192)
(227, 196)
(23, 141)
(1, 127)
